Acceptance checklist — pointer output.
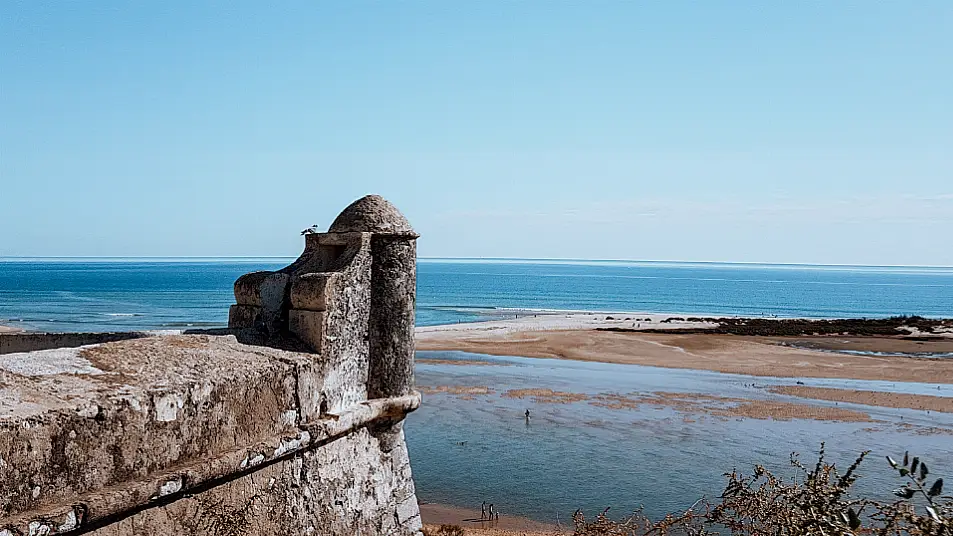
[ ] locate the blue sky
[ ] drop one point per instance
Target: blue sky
(814, 132)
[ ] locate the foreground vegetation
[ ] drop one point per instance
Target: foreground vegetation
(815, 502)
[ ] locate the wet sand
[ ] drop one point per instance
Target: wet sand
(869, 398)
(750, 355)
(881, 345)
(728, 407)
(545, 396)
(435, 515)
(9, 329)
(691, 405)
(464, 390)
(459, 362)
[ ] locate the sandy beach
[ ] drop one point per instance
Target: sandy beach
(9, 329)
(582, 337)
(473, 531)
(434, 515)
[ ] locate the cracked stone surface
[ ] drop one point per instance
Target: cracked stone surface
(347, 487)
(127, 409)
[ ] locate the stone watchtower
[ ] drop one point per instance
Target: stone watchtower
(349, 298)
(289, 422)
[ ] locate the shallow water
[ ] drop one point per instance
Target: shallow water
(578, 455)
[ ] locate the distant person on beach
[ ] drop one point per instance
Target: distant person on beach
(527, 414)
(491, 510)
(483, 510)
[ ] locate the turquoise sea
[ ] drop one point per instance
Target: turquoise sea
(131, 294)
(467, 449)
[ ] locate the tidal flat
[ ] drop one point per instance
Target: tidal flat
(625, 436)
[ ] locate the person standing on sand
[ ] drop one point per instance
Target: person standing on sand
(483, 510)
(491, 511)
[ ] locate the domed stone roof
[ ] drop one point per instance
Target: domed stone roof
(371, 214)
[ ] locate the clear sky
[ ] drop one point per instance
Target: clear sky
(814, 132)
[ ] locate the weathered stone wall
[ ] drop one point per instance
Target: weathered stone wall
(393, 283)
(31, 342)
(349, 486)
(289, 422)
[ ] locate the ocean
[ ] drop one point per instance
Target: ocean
(138, 294)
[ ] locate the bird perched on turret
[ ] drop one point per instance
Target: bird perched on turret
(310, 230)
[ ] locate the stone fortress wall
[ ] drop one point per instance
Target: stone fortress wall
(288, 422)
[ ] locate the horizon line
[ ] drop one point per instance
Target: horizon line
(527, 260)
(656, 261)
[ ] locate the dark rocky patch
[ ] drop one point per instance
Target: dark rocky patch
(896, 326)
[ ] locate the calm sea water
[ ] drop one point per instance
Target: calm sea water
(104, 295)
(465, 451)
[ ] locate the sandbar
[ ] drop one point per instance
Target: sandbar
(868, 398)
(580, 337)
(464, 390)
(459, 362)
(902, 347)
(730, 407)
(691, 405)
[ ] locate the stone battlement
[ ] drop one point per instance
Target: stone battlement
(289, 422)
